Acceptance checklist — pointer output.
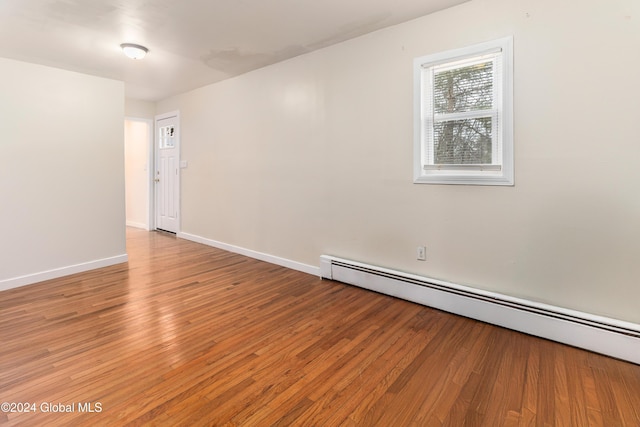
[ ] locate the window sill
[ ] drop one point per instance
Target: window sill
(447, 177)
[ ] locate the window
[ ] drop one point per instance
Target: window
(167, 137)
(463, 115)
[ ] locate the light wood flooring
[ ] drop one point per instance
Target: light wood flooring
(185, 334)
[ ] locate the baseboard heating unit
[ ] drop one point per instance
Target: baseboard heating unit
(603, 335)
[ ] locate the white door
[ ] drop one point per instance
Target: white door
(167, 173)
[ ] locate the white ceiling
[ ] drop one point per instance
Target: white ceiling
(191, 43)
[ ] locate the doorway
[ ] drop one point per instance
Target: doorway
(138, 143)
(167, 172)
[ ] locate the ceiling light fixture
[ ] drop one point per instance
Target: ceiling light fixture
(134, 51)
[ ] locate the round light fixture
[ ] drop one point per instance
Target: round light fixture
(134, 51)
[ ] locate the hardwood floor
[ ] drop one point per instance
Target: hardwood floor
(185, 334)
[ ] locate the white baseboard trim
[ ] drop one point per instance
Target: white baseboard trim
(283, 262)
(29, 279)
(603, 335)
(137, 225)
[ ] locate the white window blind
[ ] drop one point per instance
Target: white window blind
(461, 116)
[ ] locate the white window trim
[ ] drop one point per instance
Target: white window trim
(473, 174)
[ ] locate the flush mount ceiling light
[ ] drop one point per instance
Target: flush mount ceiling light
(134, 51)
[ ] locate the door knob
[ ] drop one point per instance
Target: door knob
(157, 180)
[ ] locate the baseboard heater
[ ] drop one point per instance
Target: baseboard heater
(603, 335)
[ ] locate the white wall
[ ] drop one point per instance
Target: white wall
(62, 174)
(314, 155)
(137, 134)
(139, 109)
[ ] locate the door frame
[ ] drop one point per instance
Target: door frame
(156, 153)
(148, 167)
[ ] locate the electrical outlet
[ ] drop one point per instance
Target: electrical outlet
(421, 253)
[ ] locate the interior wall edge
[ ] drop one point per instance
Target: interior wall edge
(56, 273)
(283, 262)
